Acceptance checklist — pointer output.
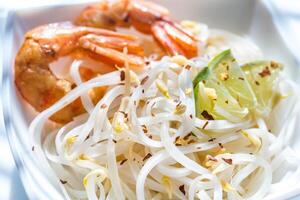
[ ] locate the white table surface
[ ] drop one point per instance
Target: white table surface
(10, 185)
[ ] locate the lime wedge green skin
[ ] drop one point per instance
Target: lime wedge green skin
(262, 76)
(239, 90)
(234, 93)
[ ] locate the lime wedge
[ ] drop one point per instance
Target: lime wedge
(222, 90)
(263, 76)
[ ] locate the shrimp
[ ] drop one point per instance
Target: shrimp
(43, 45)
(146, 17)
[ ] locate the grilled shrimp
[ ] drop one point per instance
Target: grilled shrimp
(144, 16)
(44, 45)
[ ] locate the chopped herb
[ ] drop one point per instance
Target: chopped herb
(226, 102)
(143, 91)
(257, 83)
(241, 78)
(115, 141)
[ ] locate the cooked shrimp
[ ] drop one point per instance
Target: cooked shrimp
(144, 16)
(44, 45)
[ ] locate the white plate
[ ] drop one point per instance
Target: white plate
(248, 17)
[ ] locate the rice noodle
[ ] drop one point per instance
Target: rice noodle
(142, 140)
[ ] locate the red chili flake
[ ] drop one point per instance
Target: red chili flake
(265, 72)
(87, 137)
(204, 126)
(147, 156)
(63, 182)
(123, 161)
(191, 141)
(103, 106)
(124, 113)
(188, 67)
(211, 158)
(98, 142)
(227, 160)
(144, 80)
(274, 65)
(187, 136)
(122, 75)
(206, 115)
(150, 136)
(191, 116)
(178, 104)
(221, 145)
(145, 130)
(181, 188)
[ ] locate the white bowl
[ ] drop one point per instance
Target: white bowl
(247, 17)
